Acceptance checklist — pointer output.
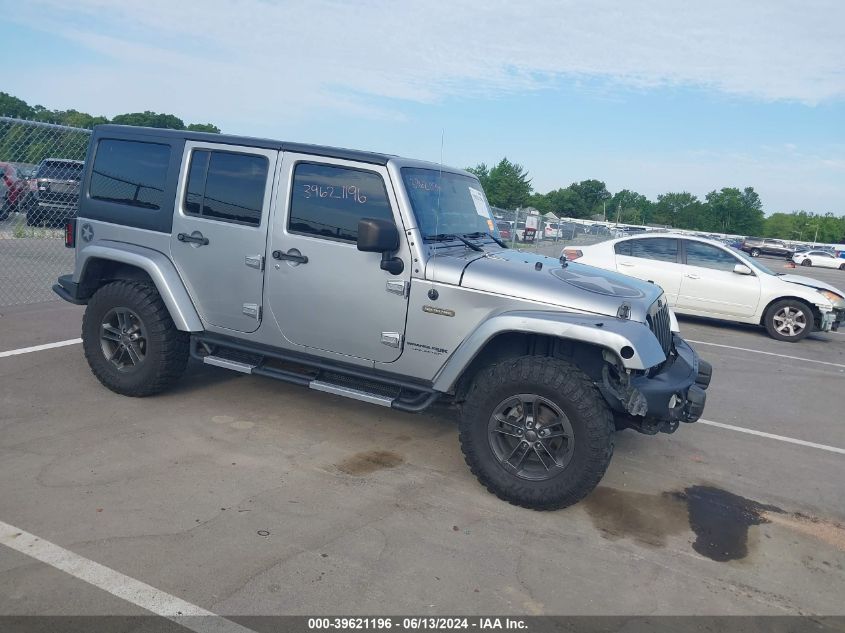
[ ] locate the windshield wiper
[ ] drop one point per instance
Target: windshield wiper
(445, 237)
(479, 234)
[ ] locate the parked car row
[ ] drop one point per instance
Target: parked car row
(705, 278)
(47, 194)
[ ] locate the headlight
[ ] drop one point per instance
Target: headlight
(830, 296)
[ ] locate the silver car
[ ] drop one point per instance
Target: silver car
(370, 277)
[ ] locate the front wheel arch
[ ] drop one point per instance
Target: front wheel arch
(587, 357)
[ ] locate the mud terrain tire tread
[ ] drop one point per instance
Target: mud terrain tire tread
(580, 400)
(167, 347)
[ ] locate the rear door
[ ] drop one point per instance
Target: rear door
(220, 231)
(654, 259)
(710, 285)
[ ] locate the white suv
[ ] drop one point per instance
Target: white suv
(704, 278)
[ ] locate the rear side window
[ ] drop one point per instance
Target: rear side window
(708, 256)
(328, 201)
(661, 249)
(126, 172)
(623, 248)
(226, 186)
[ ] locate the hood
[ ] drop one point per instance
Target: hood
(810, 283)
(576, 286)
(816, 284)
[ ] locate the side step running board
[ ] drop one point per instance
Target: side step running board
(227, 363)
(351, 392)
(245, 360)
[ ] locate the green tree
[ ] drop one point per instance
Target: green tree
(679, 210)
(150, 119)
(204, 127)
(482, 172)
(14, 107)
(632, 207)
(508, 185)
(566, 203)
(781, 225)
(593, 193)
(733, 211)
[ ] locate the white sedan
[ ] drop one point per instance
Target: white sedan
(705, 278)
(822, 259)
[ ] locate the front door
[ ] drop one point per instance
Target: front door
(711, 286)
(220, 231)
(325, 294)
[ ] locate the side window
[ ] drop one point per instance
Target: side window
(327, 200)
(708, 256)
(226, 186)
(623, 248)
(128, 172)
(662, 249)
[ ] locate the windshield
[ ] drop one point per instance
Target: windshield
(60, 170)
(447, 204)
(754, 264)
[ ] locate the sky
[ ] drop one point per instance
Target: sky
(653, 96)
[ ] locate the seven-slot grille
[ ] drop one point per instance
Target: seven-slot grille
(658, 321)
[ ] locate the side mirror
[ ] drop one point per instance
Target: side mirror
(377, 236)
(742, 269)
(380, 236)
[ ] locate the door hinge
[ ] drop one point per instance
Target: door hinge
(252, 310)
(398, 287)
(255, 261)
(391, 339)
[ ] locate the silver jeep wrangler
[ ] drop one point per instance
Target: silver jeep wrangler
(375, 278)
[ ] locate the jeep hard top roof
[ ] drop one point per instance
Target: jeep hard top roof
(124, 131)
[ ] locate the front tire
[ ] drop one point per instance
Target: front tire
(130, 341)
(841, 266)
(788, 320)
(755, 252)
(536, 432)
(807, 262)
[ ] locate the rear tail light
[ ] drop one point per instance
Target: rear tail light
(572, 253)
(70, 233)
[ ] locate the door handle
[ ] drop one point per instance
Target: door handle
(291, 257)
(627, 264)
(692, 276)
(193, 239)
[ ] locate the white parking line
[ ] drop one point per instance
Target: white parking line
(757, 351)
(117, 584)
(772, 436)
(39, 348)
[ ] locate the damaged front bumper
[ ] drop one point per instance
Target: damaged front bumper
(830, 321)
(658, 402)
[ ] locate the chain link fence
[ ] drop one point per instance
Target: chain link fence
(40, 167)
(531, 231)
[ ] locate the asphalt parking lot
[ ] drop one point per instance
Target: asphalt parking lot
(241, 495)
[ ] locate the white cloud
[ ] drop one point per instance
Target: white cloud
(227, 59)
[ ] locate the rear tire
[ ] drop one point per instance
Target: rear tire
(555, 420)
(788, 320)
(130, 341)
